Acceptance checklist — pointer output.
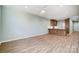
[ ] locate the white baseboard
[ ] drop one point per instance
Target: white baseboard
(19, 38)
(8, 40)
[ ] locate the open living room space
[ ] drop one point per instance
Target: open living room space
(39, 28)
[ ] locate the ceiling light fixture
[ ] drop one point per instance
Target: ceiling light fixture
(42, 11)
(61, 5)
(26, 6)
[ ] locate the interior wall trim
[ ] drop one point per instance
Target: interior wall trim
(19, 38)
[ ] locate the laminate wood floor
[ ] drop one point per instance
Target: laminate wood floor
(43, 44)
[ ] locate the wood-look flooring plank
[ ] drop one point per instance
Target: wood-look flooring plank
(43, 44)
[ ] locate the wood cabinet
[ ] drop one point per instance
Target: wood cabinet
(57, 31)
(67, 25)
(53, 22)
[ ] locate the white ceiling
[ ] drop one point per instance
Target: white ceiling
(52, 11)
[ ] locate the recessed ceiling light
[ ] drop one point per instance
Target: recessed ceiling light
(61, 5)
(26, 6)
(42, 11)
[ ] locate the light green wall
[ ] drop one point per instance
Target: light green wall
(21, 24)
(0, 23)
(76, 26)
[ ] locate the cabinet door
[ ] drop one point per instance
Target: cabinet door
(53, 22)
(67, 25)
